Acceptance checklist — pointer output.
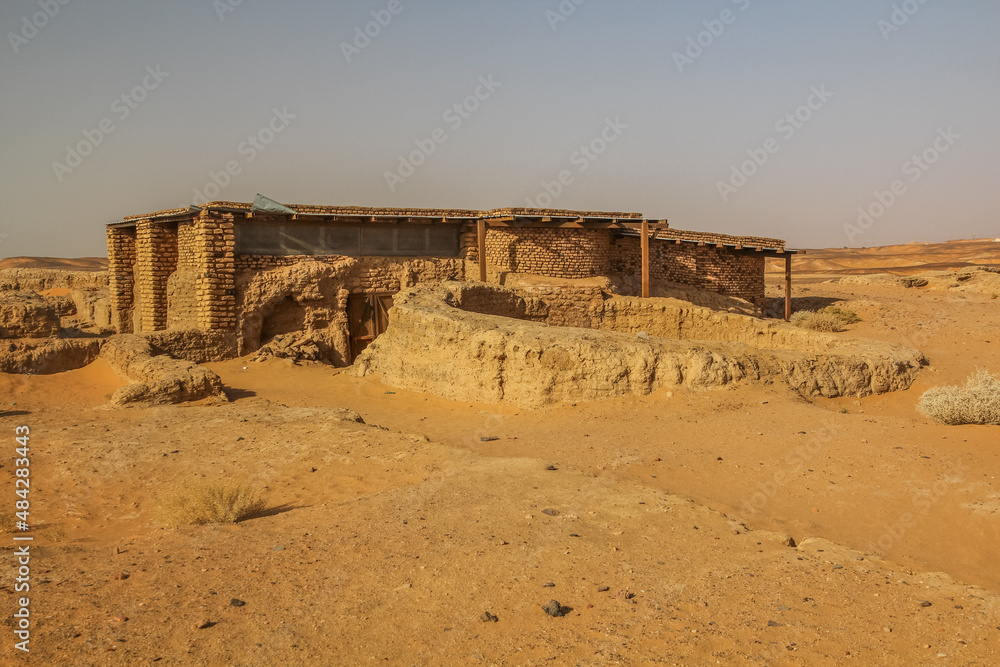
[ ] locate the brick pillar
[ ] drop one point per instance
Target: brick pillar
(156, 259)
(121, 259)
(216, 284)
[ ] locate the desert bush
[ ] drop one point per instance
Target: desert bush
(815, 321)
(978, 402)
(211, 502)
(844, 315)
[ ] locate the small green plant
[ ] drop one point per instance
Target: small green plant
(810, 319)
(211, 502)
(978, 402)
(844, 410)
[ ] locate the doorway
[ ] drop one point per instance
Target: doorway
(367, 318)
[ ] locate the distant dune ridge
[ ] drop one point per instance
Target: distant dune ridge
(66, 264)
(904, 259)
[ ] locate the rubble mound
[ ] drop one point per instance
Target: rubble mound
(43, 356)
(295, 346)
(157, 379)
(444, 339)
(41, 280)
(28, 315)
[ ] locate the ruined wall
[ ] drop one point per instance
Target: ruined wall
(182, 299)
(281, 294)
(721, 270)
(121, 281)
(435, 344)
(560, 253)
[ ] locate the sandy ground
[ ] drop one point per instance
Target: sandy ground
(663, 533)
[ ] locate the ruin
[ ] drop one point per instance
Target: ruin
(221, 280)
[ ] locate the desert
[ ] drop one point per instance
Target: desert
(747, 523)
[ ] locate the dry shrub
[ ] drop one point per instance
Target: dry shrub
(978, 402)
(814, 321)
(844, 315)
(211, 502)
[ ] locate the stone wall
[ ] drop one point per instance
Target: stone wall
(560, 253)
(721, 270)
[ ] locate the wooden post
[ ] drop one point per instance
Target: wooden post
(481, 228)
(788, 287)
(645, 259)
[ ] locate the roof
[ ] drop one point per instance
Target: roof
(383, 212)
(627, 224)
(757, 243)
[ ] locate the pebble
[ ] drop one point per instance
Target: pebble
(551, 467)
(278, 548)
(488, 438)
(553, 608)
(236, 602)
(602, 589)
(548, 585)
(202, 624)
(487, 617)
(925, 603)
(550, 512)
(119, 619)
(773, 624)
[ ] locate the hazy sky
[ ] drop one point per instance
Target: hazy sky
(765, 117)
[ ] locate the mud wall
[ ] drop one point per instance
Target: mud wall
(433, 344)
(280, 294)
(182, 299)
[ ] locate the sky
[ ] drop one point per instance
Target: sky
(826, 123)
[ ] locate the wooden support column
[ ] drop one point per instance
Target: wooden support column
(788, 287)
(481, 229)
(645, 259)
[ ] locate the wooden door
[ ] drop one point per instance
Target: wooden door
(367, 317)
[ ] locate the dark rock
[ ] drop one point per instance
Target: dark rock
(553, 608)
(773, 624)
(550, 512)
(548, 585)
(551, 467)
(237, 603)
(602, 589)
(488, 438)
(487, 617)
(925, 603)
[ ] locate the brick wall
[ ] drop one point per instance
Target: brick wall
(216, 282)
(720, 270)
(121, 260)
(559, 253)
(156, 259)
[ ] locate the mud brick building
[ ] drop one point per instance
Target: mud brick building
(227, 277)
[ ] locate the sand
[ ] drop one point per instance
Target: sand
(385, 542)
